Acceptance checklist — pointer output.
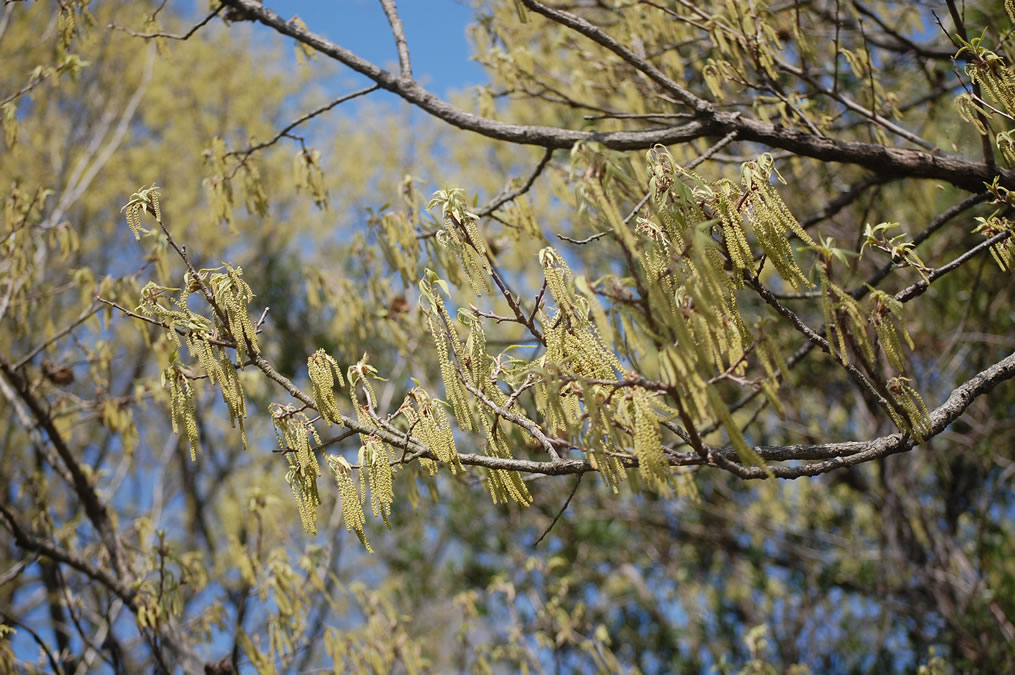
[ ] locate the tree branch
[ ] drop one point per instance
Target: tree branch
(891, 161)
(244, 154)
(922, 285)
(31, 543)
(171, 36)
(94, 508)
(398, 32)
(517, 192)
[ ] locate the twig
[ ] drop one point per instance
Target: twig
(95, 509)
(161, 324)
(518, 192)
(561, 512)
(539, 299)
(523, 422)
(722, 143)
(594, 33)
(922, 285)
(84, 316)
(501, 284)
(586, 240)
(170, 36)
(31, 543)
(638, 116)
(244, 154)
(864, 288)
(960, 26)
(38, 640)
(818, 340)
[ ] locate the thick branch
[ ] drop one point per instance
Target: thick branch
(878, 158)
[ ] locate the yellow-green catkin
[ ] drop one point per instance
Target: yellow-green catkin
(886, 317)
(352, 507)
(324, 372)
(652, 464)
(430, 424)
(294, 433)
(182, 409)
(446, 343)
(918, 419)
(375, 461)
(233, 295)
(504, 485)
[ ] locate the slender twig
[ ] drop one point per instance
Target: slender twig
(244, 154)
(589, 239)
(95, 509)
(922, 285)
(519, 420)
(722, 143)
(845, 199)
(33, 82)
(539, 300)
(84, 316)
(940, 221)
(29, 542)
(518, 192)
(171, 36)
(53, 663)
(960, 26)
(638, 116)
(161, 324)
(560, 513)
(594, 33)
(495, 274)
(818, 341)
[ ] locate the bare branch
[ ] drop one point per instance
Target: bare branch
(84, 316)
(398, 32)
(560, 513)
(517, 192)
(32, 543)
(171, 36)
(244, 154)
(922, 285)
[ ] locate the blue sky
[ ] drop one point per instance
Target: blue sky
(435, 31)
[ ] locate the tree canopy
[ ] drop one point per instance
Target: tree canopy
(683, 344)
